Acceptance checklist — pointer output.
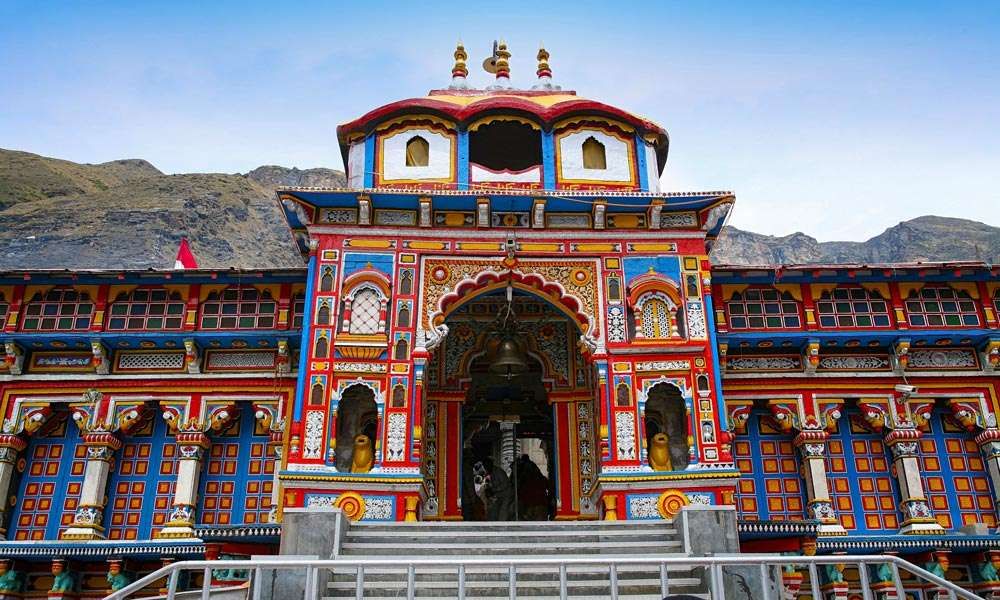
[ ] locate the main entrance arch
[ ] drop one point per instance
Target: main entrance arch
(501, 446)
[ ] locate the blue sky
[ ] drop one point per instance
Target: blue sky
(836, 119)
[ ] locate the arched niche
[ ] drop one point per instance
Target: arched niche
(665, 412)
(357, 413)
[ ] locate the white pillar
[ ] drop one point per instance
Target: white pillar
(10, 447)
(88, 522)
(191, 448)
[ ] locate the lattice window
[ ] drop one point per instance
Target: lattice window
(852, 307)
(366, 311)
(956, 483)
(58, 310)
(763, 309)
(147, 309)
(298, 310)
(136, 487)
(239, 308)
(237, 482)
(862, 487)
(50, 486)
(655, 319)
(941, 307)
(770, 487)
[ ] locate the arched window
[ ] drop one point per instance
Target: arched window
(656, 319)
(366, 310)
(406, 283)
(239, 308)
(403, 316)
(59, 309)
(763, 309)
(402, 349)
(146, 309)
(398, 396)
(417, 152)
(594, 154)
(323, 314)
(316, 397)
(614, 288)
(298, 310)
(852, 307)
(326, 281)
(703, 383)
(322, 348)
(941, 307)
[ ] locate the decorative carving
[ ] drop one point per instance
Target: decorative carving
(396, 443)
(192, 360)
(854, 363)
(13, 357)
(764, 363)
(943, 359)
(616, 324)
(625, 435)
(670, 503)
(379, 508)
(150, 361)
(696, 328)
(99, 360)
(313, 444)
(663, 365)
(642, 507)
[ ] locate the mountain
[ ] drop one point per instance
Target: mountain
(126, 214)
(927, 238)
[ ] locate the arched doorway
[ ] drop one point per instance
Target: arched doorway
(507, 445)
(357, 415)
(665, 416)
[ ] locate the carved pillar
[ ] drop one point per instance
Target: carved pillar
(989, 444)
(191, 446)
(89, 518)
(917, 515)
(10, 446)
(812, 450)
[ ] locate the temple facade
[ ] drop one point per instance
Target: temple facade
(501, 286)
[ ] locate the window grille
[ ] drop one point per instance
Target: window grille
(239, 308)
(146, 309)
(941, 307)
(852, 307)
(763, 309)
(365, 312)
(58, 310)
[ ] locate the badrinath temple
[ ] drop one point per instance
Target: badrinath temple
(500, 297)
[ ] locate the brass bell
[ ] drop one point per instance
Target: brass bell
(509, 359)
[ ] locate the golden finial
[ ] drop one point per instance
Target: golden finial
(503, 64)
(543, 63)
(460, 70)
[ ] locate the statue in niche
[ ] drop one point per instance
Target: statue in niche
(357, 416)
(666, 428)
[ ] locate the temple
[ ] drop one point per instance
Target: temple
(501, 291)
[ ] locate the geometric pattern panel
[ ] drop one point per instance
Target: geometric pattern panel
(771, 487)
(50, 486)
(860, 478)
(956, 483)
(237, 479)
(136, 482)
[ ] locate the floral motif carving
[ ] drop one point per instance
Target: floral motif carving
(854, 363)
(396, 446)
(696, 328)
(942, 359)
(764, 363)
(313, 445)
(616, 324)
(625, 435)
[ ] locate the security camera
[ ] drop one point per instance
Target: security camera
(906, 390)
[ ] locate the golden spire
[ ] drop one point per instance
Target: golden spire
(503, 64)
(543, 63)
(460, 70)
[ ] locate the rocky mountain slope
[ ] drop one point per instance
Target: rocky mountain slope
(126, 214)
(926, 238)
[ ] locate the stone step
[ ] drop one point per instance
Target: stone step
(509, 525)
(604, 596)
(437, 532)
(521, 537)
(508, 548)
(499, 573)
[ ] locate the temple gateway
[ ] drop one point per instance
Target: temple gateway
(501, 317)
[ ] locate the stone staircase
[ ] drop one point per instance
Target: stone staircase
(456, 542)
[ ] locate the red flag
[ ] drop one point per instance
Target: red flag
(185, 258)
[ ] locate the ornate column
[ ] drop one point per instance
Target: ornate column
(10, 446)
(811, 444)
(89, 518)
(917, 515)
(191, 446)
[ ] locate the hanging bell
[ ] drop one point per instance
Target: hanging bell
(509, 359)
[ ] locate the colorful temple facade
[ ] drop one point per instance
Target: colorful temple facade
(501, 275)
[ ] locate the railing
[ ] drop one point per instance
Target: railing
(769, 566)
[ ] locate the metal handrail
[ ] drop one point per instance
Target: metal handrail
(714, 565)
